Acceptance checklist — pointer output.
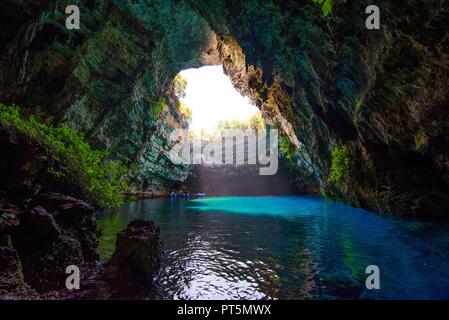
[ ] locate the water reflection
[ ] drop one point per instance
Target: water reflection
(287, 248)
(200, 271)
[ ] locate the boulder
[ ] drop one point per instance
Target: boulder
(77, 218)
(45, 265)
(41, 224)
(57, 232)
(137, 257)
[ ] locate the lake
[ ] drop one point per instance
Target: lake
(287, 247)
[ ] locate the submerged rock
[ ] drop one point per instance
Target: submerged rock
(136, 259)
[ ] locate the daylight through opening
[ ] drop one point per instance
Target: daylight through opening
(211, 101)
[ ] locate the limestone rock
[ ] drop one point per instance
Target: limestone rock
(325, 82)
(77, 218)
(136, 259)
(12, 284)
(11, 277)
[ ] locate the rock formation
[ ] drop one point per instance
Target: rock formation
(42, 241)
(38, 244)
(365, 112)
(136, 260)
(327, 82)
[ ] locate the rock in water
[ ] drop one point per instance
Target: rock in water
(136, 259)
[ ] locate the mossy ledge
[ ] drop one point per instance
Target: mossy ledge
(69, 158)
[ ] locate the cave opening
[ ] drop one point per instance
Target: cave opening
(212, 102)
(222, 118)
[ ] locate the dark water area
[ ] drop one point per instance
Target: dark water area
(287, 247)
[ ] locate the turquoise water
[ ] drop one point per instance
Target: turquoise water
(287, 247)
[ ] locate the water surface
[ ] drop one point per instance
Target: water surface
(287, 247)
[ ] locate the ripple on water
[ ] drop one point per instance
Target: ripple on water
(208, 273)
(287, 248)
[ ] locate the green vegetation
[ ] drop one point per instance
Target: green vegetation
(157, 107)
(263, 89)
(287, 148)
(326, 5)
(340, 163)
(180, 85)
(185, 110)
(421, 140)
(255, 122)
(70, 157)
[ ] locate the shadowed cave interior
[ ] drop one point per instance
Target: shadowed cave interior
(86, 117)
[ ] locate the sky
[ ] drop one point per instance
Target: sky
(212, 98)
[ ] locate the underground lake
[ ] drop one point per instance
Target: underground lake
(286, 247)
(240, 150)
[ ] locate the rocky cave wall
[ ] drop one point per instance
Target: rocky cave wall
(327, 82)
(382, 94)
(106, 79)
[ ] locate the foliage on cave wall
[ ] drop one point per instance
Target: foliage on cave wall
(326, 5)
(180, 86)
(324, 79)
(341, 162)
(157, 107)
(185, 110)
(286, 148)
(70, 157)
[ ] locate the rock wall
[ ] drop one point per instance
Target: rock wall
(136, 261)
(43, 230)
(106, 79)
(331, 84)
(327, 82)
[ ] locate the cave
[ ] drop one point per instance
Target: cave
(87, 115)
(225, 129)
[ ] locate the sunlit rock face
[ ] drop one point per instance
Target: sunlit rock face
(326, 82)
